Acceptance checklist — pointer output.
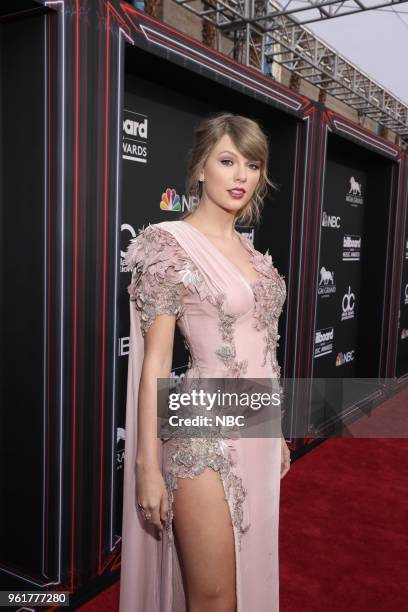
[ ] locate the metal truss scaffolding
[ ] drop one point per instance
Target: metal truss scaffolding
(262, 33)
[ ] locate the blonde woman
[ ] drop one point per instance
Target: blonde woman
(201, 515)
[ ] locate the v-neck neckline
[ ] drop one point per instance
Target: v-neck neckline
(232, 265)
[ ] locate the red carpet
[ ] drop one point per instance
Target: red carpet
(344, 520)
(343, 526)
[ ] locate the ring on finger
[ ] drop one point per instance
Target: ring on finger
(146, 515)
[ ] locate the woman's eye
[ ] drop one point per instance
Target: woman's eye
(254, 166)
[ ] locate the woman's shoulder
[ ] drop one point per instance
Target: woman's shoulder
(152, 243)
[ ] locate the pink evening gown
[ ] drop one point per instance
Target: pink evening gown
(230, 327)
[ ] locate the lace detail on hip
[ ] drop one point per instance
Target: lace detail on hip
(190, 458)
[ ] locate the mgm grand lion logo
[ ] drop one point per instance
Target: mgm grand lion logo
(326, 276)
(326, 284)
(354, 193)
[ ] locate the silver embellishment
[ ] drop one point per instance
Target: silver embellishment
(162, 273)
(192, 277)
(269, 294)
(159, 299)
(227, 352)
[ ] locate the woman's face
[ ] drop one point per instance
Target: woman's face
(226, 171)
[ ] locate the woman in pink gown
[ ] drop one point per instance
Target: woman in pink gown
(204, 536)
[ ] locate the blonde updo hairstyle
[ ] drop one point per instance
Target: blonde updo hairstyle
(251, 142)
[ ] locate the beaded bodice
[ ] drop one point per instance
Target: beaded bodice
(165, 280)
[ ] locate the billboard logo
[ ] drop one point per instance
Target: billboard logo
(330, 220)
(351, 247)
(134, 145)
(324, 342)
(135, 128)
(250, 234)
(344, 358)
(354, 193)
(347, 305)
(326, 283)
(170, 200)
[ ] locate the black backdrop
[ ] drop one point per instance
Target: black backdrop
(351, 272)
(22, 241)
(158, 126)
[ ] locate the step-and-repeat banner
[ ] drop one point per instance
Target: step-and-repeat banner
(339, 272)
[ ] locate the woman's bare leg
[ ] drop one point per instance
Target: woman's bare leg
(205, 541)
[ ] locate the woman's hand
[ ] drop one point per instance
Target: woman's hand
(152, 494)
(285, 458)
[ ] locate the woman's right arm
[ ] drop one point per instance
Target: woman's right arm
(157, 362)
(156, 290)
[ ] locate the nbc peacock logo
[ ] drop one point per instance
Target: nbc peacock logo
(170, 200)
